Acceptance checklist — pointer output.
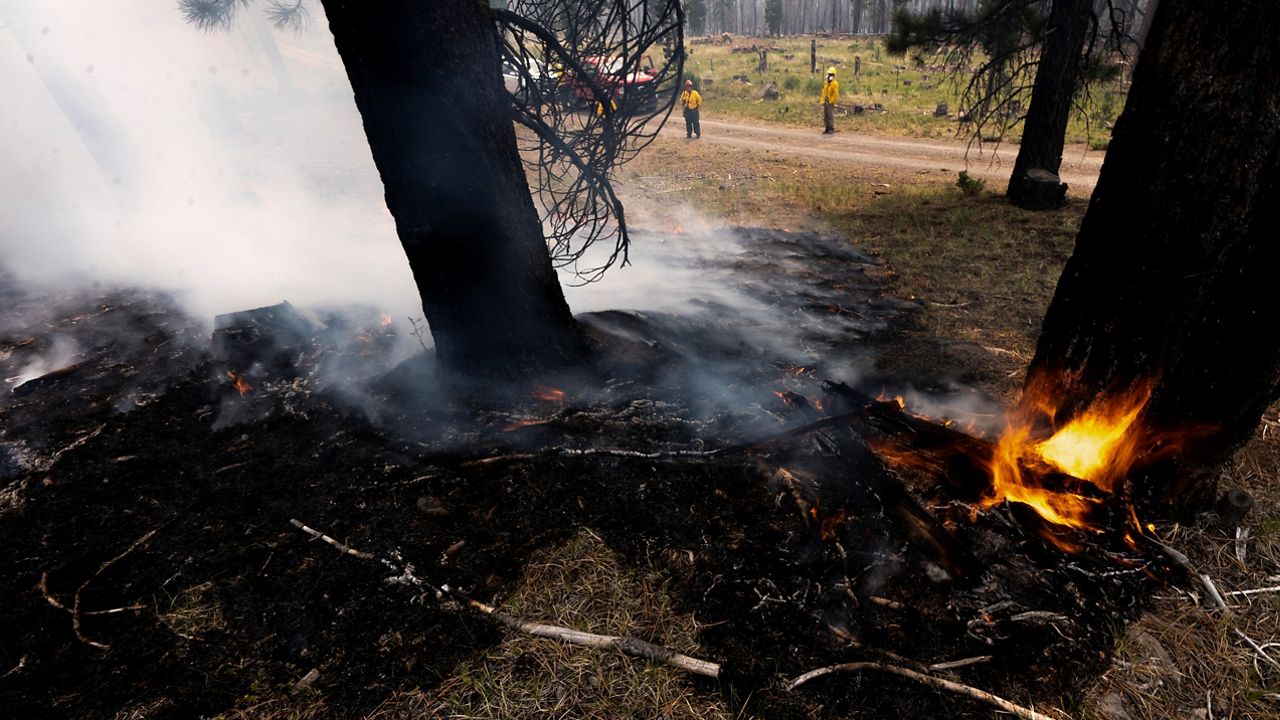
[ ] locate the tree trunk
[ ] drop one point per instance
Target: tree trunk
(1173, 274)
(439, 123)
(1057, 78)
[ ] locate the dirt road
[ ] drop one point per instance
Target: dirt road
(1079, 166)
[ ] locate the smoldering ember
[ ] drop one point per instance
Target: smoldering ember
(697, 414)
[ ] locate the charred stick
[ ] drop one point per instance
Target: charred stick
(935, 682)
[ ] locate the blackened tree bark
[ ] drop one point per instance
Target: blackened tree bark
(1173, 274)
(1057, 80)
(428, 84)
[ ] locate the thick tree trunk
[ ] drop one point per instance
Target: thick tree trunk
(1173, 274)
(428, 84)
(1057, 79)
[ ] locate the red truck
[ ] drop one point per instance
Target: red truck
(633, 92)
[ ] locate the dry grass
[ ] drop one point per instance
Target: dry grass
(581, 585)
(1179, 658)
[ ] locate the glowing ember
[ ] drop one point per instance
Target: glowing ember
(677, 230)
(239, 383)
(384, 319)
(520, 424)
(550, 394)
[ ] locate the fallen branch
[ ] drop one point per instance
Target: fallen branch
(74, 611)
(935, 682)
(625, 645)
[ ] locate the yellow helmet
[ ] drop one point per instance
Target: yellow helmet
(831, 70)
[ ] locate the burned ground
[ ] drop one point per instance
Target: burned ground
(789, 553)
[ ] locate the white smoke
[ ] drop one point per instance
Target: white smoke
(231, 167)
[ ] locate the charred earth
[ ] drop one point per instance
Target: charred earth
(150, 476)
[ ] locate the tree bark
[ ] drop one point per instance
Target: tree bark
(439, 124)
(1045, 128)
(1173, 273)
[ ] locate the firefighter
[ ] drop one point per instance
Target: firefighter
(690, 100)
(830, 96)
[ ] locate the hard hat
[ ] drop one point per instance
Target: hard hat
(688, 83)
(831, 70)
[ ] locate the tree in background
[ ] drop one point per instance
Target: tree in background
(1171, 284)
(1039, 54)
(773, 16)
(696, 11)
(441, 129)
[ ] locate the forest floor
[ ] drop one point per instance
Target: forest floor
(153, 570)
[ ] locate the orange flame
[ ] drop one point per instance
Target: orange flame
(239, 383)
(550, 394)
(677, 230)
(1100, 446)
(384, 318)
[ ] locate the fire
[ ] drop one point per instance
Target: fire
(239, 383)
(677, 230)
(550, 394)
(521, 424)
(1099, 446)
(384, 318)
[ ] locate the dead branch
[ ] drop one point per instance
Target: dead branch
(625, 645)
(342, 547)
(935, 682)
(1178, 557)
(74, 611)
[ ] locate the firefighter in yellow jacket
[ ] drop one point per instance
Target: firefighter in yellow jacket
(690, 100)
(830, 96)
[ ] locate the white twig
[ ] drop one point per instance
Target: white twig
(74, 611)
(953, 664)
(939, 683)
(625, 645)
(1242, 543)
(342, 547)
(1253, 591)
(1257, 649)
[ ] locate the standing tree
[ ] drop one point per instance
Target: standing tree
(1171, 285)
(773, 16)
(1042, 54)
(428, 83)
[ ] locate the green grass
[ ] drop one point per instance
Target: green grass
(908, 94)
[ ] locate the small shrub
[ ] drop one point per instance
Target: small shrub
(813, 86)
(790, 83)
(970, 185)
(1099, 143)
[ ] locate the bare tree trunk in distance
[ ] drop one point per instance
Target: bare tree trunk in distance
(1045, 128)
(1174, 268)
(439, 124)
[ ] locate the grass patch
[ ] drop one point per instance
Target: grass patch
(582, 585)
(909, 94)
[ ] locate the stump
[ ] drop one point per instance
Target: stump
(1038, 189)
(768, 92)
